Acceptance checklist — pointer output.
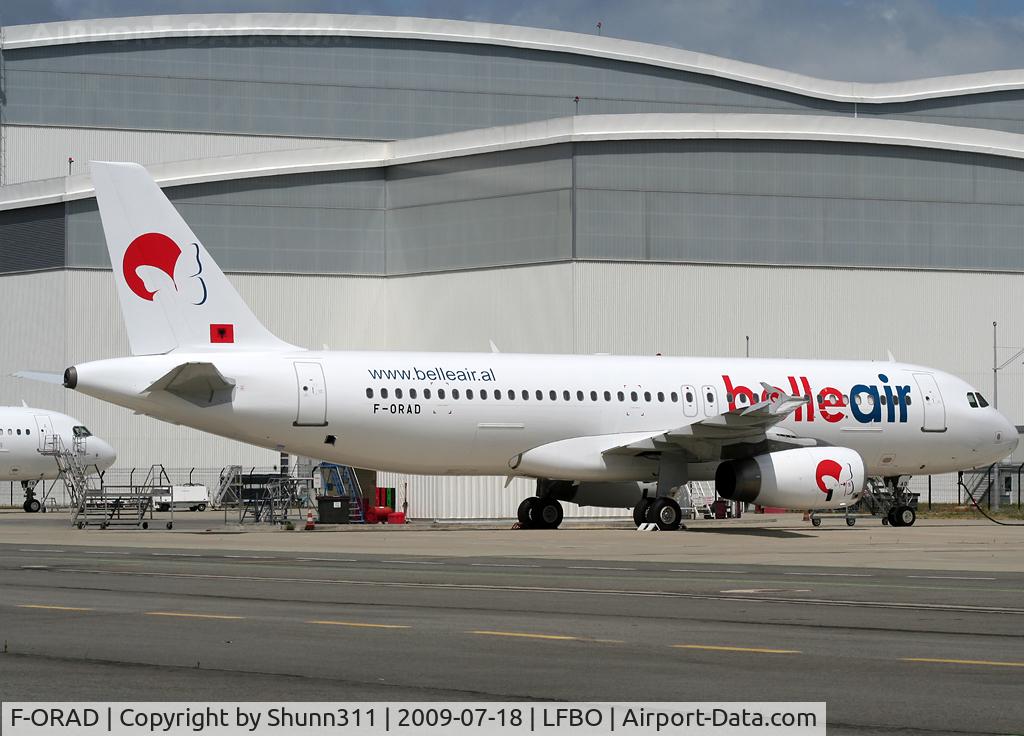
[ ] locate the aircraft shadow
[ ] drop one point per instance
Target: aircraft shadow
(753, 532)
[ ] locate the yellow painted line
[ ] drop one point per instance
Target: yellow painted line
(53, 608)
(736, 649)
(359, 625)
(525, 636)
(193, 615)
(982, 662)
(608, 641)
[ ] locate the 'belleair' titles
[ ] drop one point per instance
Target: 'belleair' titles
(829, 402)
(431, 374)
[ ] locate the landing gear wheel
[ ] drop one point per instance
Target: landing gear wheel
(885, 521)
(665, 512)
(905, 516)
(850, 521)
(24, 507)
(201, 507)
(33, 506)
(170, 524)
(145, 525)
(546, 513)
(640, 511)
(524, 512)
(815, 521)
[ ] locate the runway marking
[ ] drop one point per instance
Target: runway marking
(715, 572)
(107, 553)
(769, 590)
(833, 574)
(982, 662)
(565, 591)
(324, 559)
(249, 557)
(194, 615)
(496, 564)
(756, 650)
(53, 608)
(359, 625)
(24, 549)
(412, 562)
(520, 635)
(608, 641)
(586, 567)
(946, 577)
(173, 554)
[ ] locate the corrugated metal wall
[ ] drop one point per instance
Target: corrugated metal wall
(41, 152)
(941, 319)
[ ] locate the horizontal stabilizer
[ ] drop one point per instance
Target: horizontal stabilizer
(45, 377)
(198, 383)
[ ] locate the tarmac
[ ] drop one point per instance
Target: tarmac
(917, 630)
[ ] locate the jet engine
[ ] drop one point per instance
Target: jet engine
(804, 478)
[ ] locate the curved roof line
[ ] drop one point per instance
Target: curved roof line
(458, 31)
(581, 128)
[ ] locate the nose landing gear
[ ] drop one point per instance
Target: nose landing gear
(32, 504)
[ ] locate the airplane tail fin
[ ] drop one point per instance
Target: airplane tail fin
(173, 295)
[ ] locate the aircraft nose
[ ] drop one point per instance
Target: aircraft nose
(106, 453)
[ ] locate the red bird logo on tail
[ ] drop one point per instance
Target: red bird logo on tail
(149, 249)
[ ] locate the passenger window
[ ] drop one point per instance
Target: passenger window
(633, 396)
(689, 397)
(28, 431)
(512, 395)
(398, 393)
(622, 396)
(579, 396)
(729, 398)
(539, 394)
(593, 395)
(469, 393)
(981, 401)
(661, 396)
(455, 393)
(526, 395)
(19, 431)
(607, 395)
(440, 393)
(647, 395)
(552, 395)
(426, 393)
(711, 398)
(675, 397)
(565, 395)
(884, 400)
(369, 393)
(383, 393)
(412, 393)
(483, 393)
(907, 400)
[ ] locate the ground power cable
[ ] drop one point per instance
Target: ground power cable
(980, 510)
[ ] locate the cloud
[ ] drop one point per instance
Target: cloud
(862, 40)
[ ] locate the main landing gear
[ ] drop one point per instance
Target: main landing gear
(540, 512)
(663, 511)
(890, 498)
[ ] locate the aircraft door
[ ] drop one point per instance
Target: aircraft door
(931, 400)
(689, 397)
(710, 396)
(44, 427)
(312, 410)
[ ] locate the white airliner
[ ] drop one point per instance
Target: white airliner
(794, 433)
(25, 431)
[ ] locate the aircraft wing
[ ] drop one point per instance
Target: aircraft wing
(740, 432)
(198, 383)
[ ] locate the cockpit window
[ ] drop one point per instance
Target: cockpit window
(81, 431)
(981, 401)
(972, 401)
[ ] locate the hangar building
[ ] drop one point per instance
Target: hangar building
(404, 183)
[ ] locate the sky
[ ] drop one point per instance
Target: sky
(857, 40)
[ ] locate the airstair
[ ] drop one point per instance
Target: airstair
(80, 485)
(341, 480)
(695, 501)
(123, 505)
(229, 489)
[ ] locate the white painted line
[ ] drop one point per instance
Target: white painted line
(40, 550)
(583, 567)
(946, 577)
(323, 559)
(172, 554)
(769, 590)
(411, 562)
(248, 557)
(833, 574)
(107, 553)
(495, 564)
(714, 572)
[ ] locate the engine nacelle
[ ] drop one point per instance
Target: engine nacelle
(805, 478)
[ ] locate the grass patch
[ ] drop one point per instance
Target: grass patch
(952, 511)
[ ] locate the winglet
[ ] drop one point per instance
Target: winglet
(494, 348)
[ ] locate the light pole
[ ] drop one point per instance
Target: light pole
(993, 499)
